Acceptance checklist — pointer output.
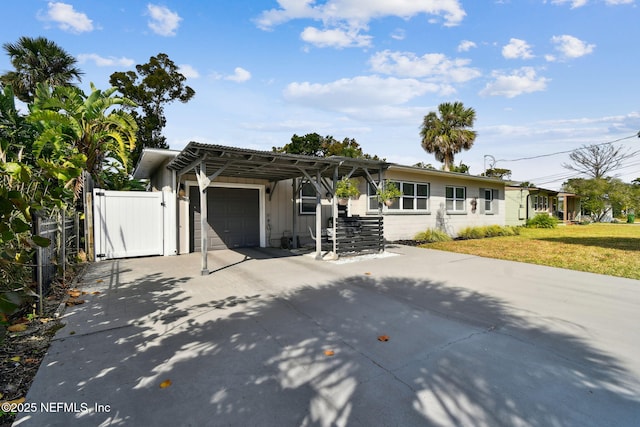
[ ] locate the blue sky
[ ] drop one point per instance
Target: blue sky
(544, 76)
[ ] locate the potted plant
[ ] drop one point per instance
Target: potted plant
(388, 193)
(346, 189)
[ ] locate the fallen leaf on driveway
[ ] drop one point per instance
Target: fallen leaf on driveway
(74, 293)
(16, 401)
(329, 353)
(74, 301)
(165, 383)
(383, 338)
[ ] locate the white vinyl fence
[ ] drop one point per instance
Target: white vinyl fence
(128, 223)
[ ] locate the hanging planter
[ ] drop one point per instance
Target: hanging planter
(347, 189)
(388, 193)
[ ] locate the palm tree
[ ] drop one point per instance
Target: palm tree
(38, 60)
(71, 120)
(449, 133)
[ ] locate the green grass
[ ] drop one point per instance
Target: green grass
(611, 249)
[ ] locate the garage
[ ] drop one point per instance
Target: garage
(233, 217)
(244, 204)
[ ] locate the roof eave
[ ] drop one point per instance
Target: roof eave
(150, 160)
(416, 169)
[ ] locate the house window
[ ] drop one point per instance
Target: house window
(456, 197)
(415, 197)
(540, 203)
(488, 200)
(307, 199)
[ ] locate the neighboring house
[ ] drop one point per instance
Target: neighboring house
(524, 203)
(258, 198)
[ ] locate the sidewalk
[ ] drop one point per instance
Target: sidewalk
(472, 342)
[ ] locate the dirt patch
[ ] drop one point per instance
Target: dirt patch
(22, 351)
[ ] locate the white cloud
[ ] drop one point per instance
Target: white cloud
(571, 47)
(67, 18)
(354, 16)
(360, 11)
(574, 3)
(517, 49)
(466, 45)
(188, 71)
(105, 62)
(435, 66)
(348, 95)
(335, 38)
(163, 21)
(523, 80)
(240, 75)
(579, 3)
(398, 34)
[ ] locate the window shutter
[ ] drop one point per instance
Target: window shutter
(481, 201)
(496, 199)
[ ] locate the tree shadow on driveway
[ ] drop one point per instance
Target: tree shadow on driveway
(612, 242)
(454, 358)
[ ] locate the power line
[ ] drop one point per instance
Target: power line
(566, 151)
(565, 176)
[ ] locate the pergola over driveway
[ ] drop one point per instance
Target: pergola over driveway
(209, 162)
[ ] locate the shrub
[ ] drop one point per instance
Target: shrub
(432, 235)
(493, 231)
(542, 221)
(511, 231)
(468, 233)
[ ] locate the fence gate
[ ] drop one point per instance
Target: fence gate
(128, 223)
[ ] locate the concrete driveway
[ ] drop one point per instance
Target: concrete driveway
(472, 342)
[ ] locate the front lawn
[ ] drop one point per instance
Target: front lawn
(612, 249)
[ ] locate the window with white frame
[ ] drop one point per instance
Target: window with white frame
(455, 198)
(307, 198)
(415, 197)
(488, 200)
(540, 203)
